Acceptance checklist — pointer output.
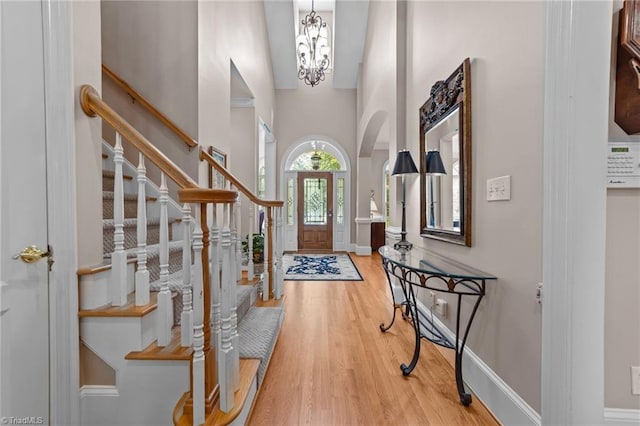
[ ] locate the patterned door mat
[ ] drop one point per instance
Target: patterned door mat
(319, 267)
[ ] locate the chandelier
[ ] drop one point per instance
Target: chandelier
(313, 49)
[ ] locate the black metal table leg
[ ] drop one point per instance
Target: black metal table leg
(384, 328)
(465, 398)
(411, 302)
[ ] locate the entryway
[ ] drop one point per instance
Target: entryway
(316, 181)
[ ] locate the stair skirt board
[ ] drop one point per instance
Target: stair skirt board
(258, 335)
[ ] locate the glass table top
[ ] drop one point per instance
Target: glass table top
(432, 263)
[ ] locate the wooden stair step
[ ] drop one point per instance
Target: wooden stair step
(248, 373)
(245, 281)
(128, 310)
(172, 352)
(111, 175)
(271, 303)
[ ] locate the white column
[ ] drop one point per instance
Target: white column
(279, 279)
(265, 274)
(225, 360)
(233, 299)
(198, 327)
(142, 274)
(186, 319)
(119, 256)
(215, 282)
(165, 309)
(250, 266)
(238, 244)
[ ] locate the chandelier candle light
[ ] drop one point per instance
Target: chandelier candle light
(313, 49)
(404, 166)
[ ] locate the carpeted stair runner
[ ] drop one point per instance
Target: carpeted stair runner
(258, 333)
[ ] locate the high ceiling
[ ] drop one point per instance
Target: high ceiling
(349, 29)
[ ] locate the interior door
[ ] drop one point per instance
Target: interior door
(24, 297)
(315, 211)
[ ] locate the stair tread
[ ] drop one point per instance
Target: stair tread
(108, 195)
(111, 173)
(172, 352)
(257, 330)
(110, 223)
(128, 310)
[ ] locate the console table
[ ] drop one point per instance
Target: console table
(420, 268)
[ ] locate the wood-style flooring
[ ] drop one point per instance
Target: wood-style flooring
(333, 366)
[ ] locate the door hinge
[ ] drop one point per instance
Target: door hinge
(539, 293)
(50, 257)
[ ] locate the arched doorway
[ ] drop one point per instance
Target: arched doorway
(316, 183)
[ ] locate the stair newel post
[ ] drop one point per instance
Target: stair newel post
(119, 256)
(225, 362)
(186, 318)
(279, 243)
(269, 255)
(198, 361)
(250, 266)
(215, 280)
(142, 273)
(165, 309)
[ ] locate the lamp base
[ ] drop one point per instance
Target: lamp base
(403, 246)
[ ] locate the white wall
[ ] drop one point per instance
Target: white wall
(622, 299)
(507, 95)
(243, 122)
(88, 133)
(153, 46)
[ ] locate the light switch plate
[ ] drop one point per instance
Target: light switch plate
(499, 189)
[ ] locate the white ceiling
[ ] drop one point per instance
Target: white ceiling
(349, 32)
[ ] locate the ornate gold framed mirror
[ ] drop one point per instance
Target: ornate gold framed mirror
(445, 159)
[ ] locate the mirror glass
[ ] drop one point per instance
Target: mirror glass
(443, 190)
(445, 163)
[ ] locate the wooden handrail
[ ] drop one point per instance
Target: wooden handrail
(191, 143)
(93, 105)
(204, 155)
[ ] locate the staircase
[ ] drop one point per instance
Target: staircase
(168, 311)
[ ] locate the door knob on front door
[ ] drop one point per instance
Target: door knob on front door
(31, 254)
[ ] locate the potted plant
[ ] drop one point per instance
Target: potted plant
(258, 247)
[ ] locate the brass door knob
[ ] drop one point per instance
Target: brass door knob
(31, 254)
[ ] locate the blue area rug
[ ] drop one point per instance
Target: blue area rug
(319, 267)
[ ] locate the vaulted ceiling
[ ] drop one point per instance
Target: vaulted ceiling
(349, 28)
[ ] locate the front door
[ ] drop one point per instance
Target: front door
(24, 295)
(315, 211)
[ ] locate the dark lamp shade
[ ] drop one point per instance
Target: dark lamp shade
(434, 164)
(404, 164)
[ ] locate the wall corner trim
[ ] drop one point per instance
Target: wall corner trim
(503, 402)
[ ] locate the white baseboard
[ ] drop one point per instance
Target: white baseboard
(352, 248)
(621, 416)
(505, 404)
(363, 250)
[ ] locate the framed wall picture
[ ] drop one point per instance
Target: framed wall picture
(216, 180)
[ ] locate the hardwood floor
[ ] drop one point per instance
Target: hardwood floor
(333, 366)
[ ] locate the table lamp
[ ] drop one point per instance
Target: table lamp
(404, 166)
(435, 167)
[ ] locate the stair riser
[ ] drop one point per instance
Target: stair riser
(153, 264)
(130, 209)
(131, 237)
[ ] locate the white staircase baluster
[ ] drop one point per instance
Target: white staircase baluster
(279, 281)
(215, 282)
(265, 274)
(233, 296)
(119, 256)
(198, 363)
(165, 308)
(238, 244)
(142, 273)
(186, 318)
(225, 361)
(250, 266)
